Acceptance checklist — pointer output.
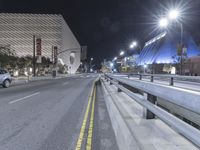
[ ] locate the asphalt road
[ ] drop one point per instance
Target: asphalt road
(44, 115)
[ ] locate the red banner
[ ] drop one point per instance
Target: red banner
(55, 49)
(39, 46)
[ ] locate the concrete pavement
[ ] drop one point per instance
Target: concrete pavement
(133, 131)
(26, 79)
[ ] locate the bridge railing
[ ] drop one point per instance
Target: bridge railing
(185, 98)
(170, 78)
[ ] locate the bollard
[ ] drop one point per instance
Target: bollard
(140, 77)
(118, 89)
(171, 81)
(151, 78)
(111, 82)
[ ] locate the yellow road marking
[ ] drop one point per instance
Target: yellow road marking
(82, 131)
(91, 125)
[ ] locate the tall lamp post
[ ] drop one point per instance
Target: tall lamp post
(91, 59)
(134, 44)
(174, 15)
(164, 22)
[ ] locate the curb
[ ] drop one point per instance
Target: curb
(122, 132)
(21, 82)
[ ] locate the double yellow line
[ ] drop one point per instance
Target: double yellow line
(92, 99)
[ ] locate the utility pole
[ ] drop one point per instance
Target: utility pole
(34, 55)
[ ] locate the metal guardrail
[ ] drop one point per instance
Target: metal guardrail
(170, 77)
(185, 98)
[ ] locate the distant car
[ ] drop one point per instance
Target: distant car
(5, 78)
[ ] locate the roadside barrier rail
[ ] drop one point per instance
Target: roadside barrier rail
(185, 98)
(171, 78)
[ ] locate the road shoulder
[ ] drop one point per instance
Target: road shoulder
(103, 135)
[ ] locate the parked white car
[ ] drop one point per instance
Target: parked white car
(5, 78)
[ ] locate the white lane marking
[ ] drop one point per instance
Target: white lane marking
(14, 101)
(65, 83)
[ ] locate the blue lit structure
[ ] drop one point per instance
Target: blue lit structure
(162, 49)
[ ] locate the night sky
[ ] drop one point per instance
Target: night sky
(108, 26)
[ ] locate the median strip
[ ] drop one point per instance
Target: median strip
(83, 127)
(91, 125)
(14, 101)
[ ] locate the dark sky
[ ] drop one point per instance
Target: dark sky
(107, 26)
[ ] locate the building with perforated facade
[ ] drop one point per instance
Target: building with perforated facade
(17, 31)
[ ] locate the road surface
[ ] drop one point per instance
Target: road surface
(46, 115)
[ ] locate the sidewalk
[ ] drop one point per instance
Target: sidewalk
(25, 79)
(133, 131)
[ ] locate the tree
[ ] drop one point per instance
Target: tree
(7, 57)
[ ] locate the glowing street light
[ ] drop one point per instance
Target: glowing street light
(173, 14)
(121, 53)
(145, 66)
(133, 44)
(111, 65)
(115, 58)
(163, 22)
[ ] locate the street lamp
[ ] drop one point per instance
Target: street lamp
(115, 58)
(133, 44)
(145, 66)
(111, 64)
(91, 59)
(173, 14)
(163, 22)
(121, 53)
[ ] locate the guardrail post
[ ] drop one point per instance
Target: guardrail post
(151, 98)
(105, 77)
(140, 77)
(111, 81)
(171, 81)
(151, 78)
(118, 89)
